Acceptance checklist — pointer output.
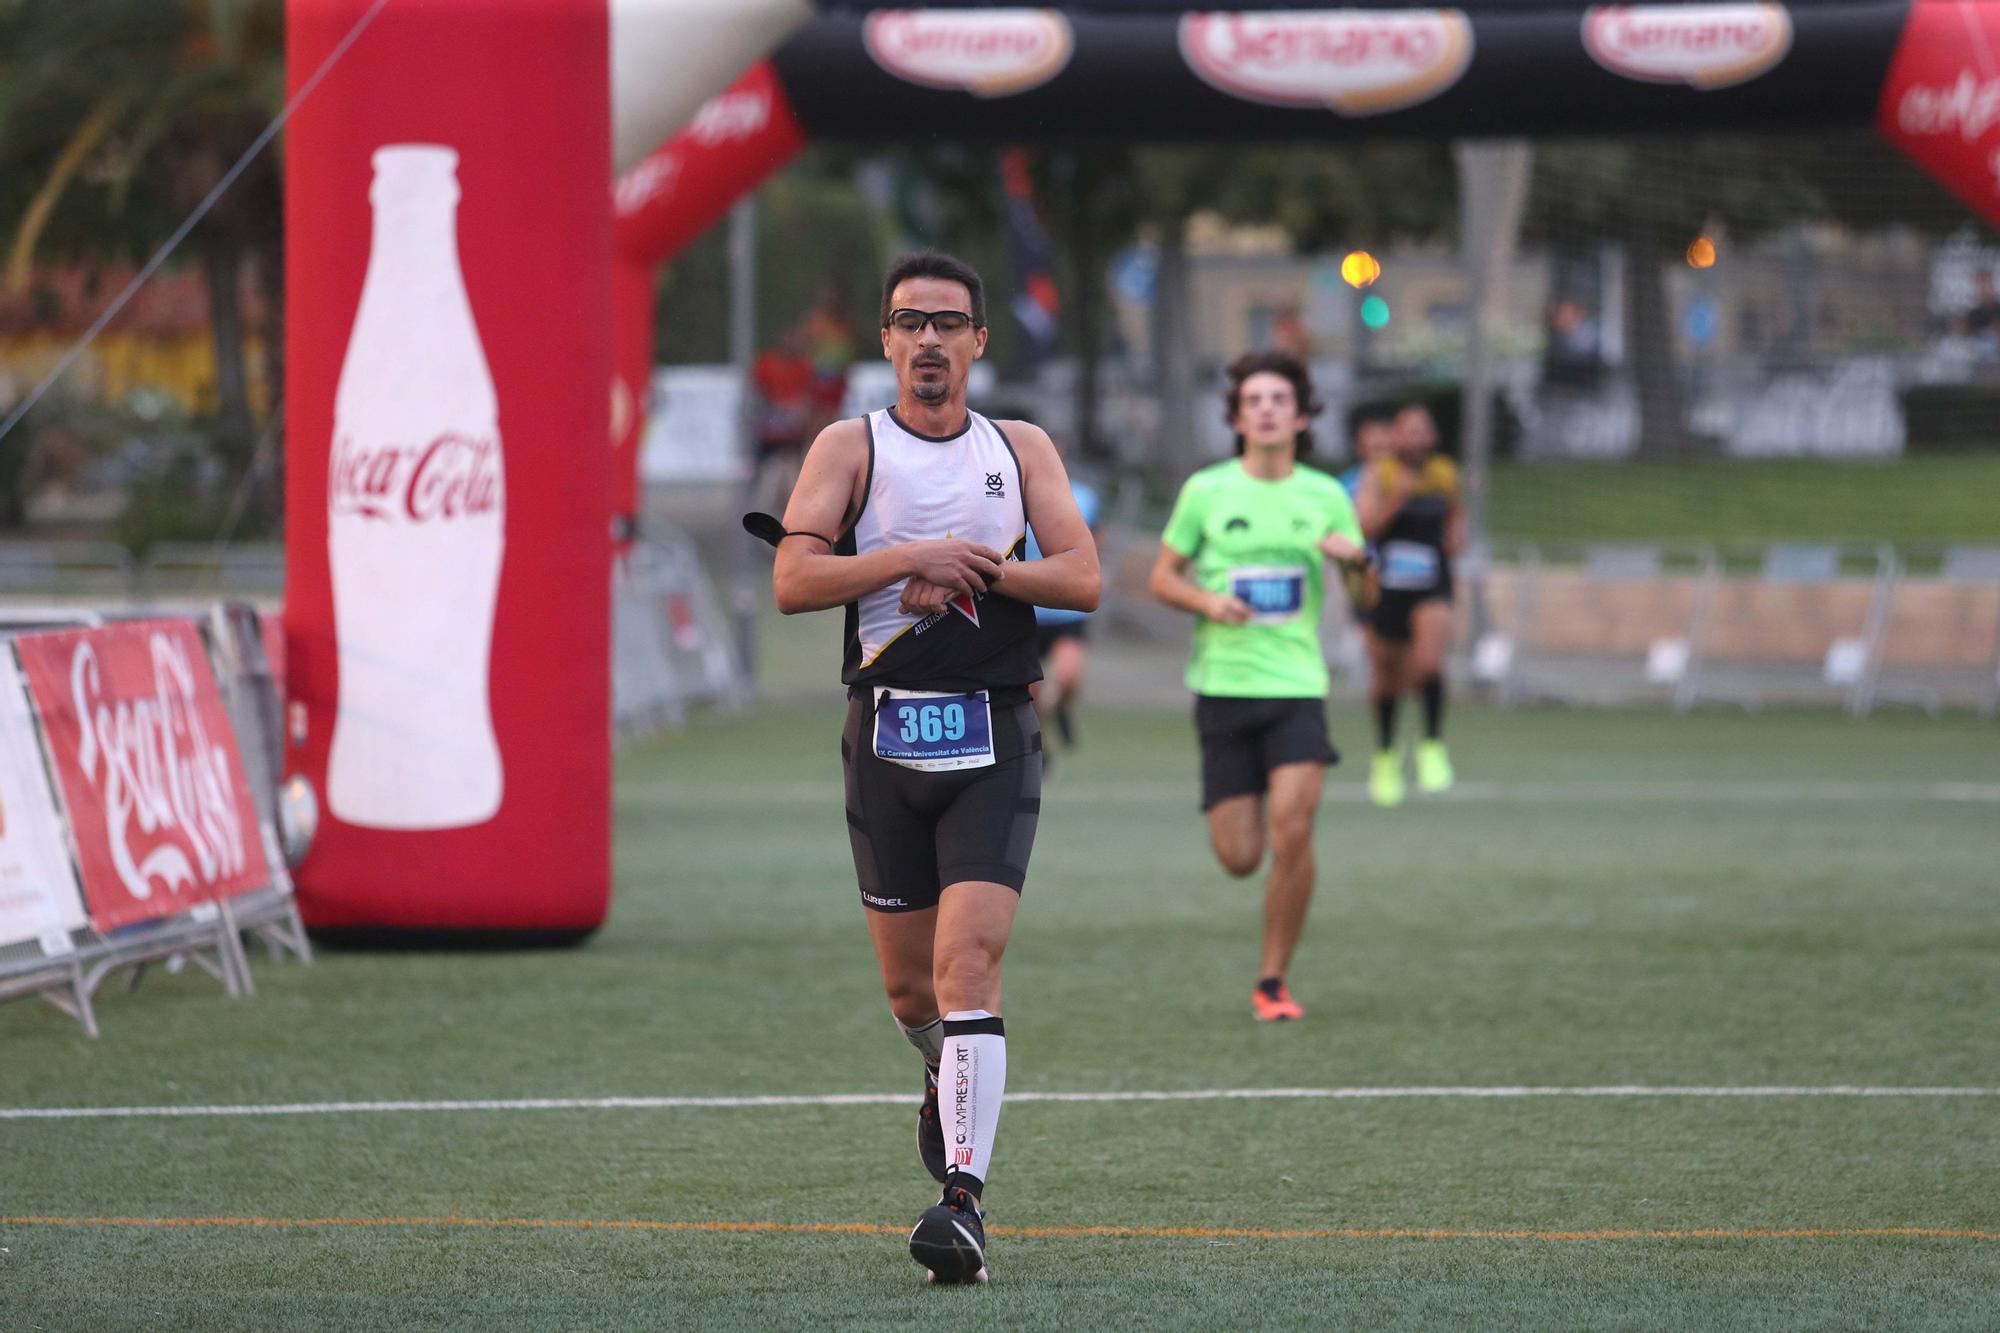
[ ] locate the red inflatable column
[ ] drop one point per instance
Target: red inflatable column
(448, 325)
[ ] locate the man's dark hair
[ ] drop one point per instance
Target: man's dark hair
(935, 264)
(1370, 414)
(1272, 363)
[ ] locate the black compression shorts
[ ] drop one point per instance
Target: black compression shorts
(1390, 618)
(913, 833)
(1242, 740)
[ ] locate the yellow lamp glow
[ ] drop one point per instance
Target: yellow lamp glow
(1359, 269)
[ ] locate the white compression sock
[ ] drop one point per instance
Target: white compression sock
(928, 1039)
(971, 1081)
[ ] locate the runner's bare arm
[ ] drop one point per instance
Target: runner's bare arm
(808, 576)
(1171, 585)
(1375, 505)
(1067, 575)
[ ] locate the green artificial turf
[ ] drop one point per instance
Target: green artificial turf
(1614, 898)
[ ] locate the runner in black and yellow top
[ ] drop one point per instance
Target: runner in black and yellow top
(1245, 551)
(1411, 510)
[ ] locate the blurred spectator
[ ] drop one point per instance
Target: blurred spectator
(1982, 318)
(1290, 335)
(1060, 634)
(1571, 358)
(784, 383)
(833, 342)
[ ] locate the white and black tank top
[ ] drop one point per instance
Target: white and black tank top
(965, 487)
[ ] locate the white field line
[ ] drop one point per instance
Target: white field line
(1634, 1090)
(1503, 793)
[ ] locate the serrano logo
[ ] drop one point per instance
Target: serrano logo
(987, 52)
(1703, 46)
(1358, 62)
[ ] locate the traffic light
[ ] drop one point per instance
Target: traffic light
(1359, 269)
(1374, 312)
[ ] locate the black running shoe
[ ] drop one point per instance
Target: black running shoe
(930, 1130)
(950, 1239)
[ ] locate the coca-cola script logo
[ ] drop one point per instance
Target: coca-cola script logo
(454, 476)
(1358, 62)
(170, 815)
(646, 182)
(1967, 107)
(1703, 46)
(732, 117)
(987, 52)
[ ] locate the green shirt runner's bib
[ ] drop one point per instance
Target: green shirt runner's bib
(1259, 541)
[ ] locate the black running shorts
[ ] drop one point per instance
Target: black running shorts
(913, 833)
(1048, 636)
(1242, 740)
(1391, 617)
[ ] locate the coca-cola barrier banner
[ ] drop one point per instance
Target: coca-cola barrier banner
(448, 321)
(147, 765)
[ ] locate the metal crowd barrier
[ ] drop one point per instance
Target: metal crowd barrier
(670, 641)
(1846, 623)
(66, 966)
(101, 573)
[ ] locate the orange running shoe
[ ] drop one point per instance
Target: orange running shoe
(1278, 1008)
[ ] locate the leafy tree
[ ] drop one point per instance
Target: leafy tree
(1098, 198)
(116, 118)
(1616, 192)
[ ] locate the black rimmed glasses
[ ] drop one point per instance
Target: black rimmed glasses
(946, 322)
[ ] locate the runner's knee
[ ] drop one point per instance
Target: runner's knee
(912, 999)
(1239, 856)
(1291, 831)
(967, 972)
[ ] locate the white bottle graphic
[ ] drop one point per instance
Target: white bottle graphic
(416, 511)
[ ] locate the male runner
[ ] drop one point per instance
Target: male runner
(1372, 427)
(1410, 508)
(1244, 551)
(905, 517)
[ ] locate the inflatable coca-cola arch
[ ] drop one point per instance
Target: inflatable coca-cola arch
(450, 492)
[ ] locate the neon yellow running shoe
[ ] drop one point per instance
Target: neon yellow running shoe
(1385, 778)
(1433, 767)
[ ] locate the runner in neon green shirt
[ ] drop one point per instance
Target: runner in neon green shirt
(1245, 551)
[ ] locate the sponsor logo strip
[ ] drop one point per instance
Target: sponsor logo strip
(987, 52)
(1357, 62)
